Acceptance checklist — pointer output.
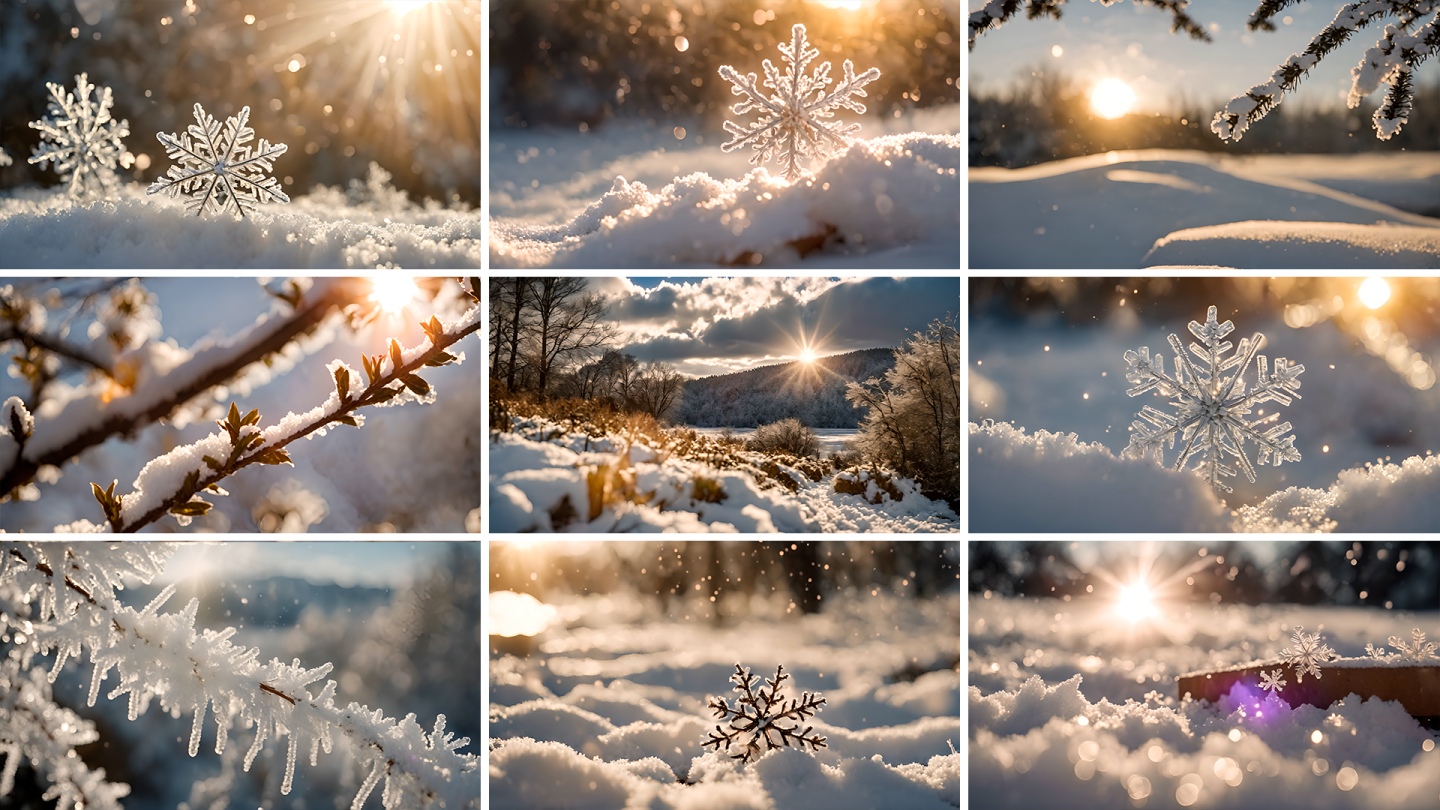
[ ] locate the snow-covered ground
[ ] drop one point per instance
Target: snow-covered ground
(370, 226)
(540, 466)
(610, 711)
(557, 199)
(1357, 423)
(1073, 706)
(832, 440)
(1157, 207)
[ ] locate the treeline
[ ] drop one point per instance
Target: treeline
(544, 336)
(813, 393)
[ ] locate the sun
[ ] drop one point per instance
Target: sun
(393, 292)
(1374, 292)
(807, 356)
(1111, 99)
(1134, 602)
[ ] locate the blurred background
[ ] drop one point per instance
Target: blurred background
(1048, 353)
(340, 82)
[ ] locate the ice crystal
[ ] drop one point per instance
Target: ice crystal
(1417, 650)
(81, 140)
(1272, 681)
(1378, 653)
(218, 170)
(1307, 655)
(792, 123)
(1212, 407)
(758, 715)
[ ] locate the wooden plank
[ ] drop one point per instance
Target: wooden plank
(1416, 687)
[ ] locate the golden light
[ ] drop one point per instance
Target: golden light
(402, 7)
(1111, 99)
(519, 614)
(1134, 602)
(393, 292)
(807, 356)
(848, 5)
(1374, 292)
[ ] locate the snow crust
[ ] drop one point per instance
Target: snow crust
(1402, 497)
(1262, 244)
(1083, 487)
(1034, 678)
(320, 229)
(894, 193)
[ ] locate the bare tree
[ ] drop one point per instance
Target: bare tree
(515, 293)
(657, 389)
(569, 322)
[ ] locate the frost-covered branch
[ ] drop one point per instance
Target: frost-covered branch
(1400, 49)
(997, 12)
(172, 483)
(86, 422)
(163, 656)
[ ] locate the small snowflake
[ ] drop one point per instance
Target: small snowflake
(1212, 407)
(1271, 681)
(1307, 655)
(80, 139)
(1417, 651)
(791, 127)
(212, 173)
(768, 708)
(1378, 653)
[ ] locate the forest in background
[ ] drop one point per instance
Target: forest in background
(813, 393)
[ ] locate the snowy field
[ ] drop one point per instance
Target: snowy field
(1356, 425)
(609, 711)
(1070, 706)
(371, 225)
(832, 440)
(628, 195)
(540, 475)
(1156, 208)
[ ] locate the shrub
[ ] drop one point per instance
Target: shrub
(708, 490)
(786, 436)
(857, 482)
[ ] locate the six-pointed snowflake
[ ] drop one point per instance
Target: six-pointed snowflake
(80, 139)
(217, 170)
(1418, 650)
(1271, 681)
(1307, 655)
(758, 716)
(1212, 405)
(793, 121)
(1378, 653)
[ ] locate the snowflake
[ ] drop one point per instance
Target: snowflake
(1212, 406)
(1378, 653)
(1307, 655)
(763, 721)
(1271, 681)
(212, 173)
(1417, 651)
(80, 140)
(789, 127)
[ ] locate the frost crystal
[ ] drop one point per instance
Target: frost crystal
(768, 709)
(1212, 407)
(80, 139)
(1371, 651)
(1417, 651)
(1307, 655)
(790, 127)
(1271, 681)
(212, 173)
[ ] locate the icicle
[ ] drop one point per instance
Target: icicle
(289, 765)
(61, 654)
(195, 727)
(370, 782)
(95, 679)
(260, 728)
(134, 703)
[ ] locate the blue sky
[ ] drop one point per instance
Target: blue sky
(1134, 44)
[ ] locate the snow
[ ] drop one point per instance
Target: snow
(1109, 210)
(1375, 498)
(832, 440)
(610, 711)
(1081, 712)
(530, 479)
(320, 229)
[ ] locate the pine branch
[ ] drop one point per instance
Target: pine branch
(247, 448)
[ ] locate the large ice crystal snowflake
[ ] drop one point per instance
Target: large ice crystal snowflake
(759, 714)
(212, 173)
(1272, 681)
(1212, 407)
(1307, 655)
(1417, 651)
(80, 139)
(792, 125)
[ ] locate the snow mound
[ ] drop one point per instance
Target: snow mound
(896, 193)
(1052, 482)
(1265, 244)
(1402, 497)
(1108, 210)
(318, 230)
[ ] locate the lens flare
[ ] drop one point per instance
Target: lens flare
(1134, 602)
(393, 292)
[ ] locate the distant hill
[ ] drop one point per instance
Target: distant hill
(814, 393)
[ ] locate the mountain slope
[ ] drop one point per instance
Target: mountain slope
(814, 393)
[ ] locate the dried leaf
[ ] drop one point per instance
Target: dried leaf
(395, 355)
(347, 420)
(414, 383)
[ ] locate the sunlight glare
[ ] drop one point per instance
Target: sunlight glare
(1134, 603)
(807, 356)
(519, 614)
(402, 7)
(847, 5)
(1111, 99)
(393, 292)
(1374, 292)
